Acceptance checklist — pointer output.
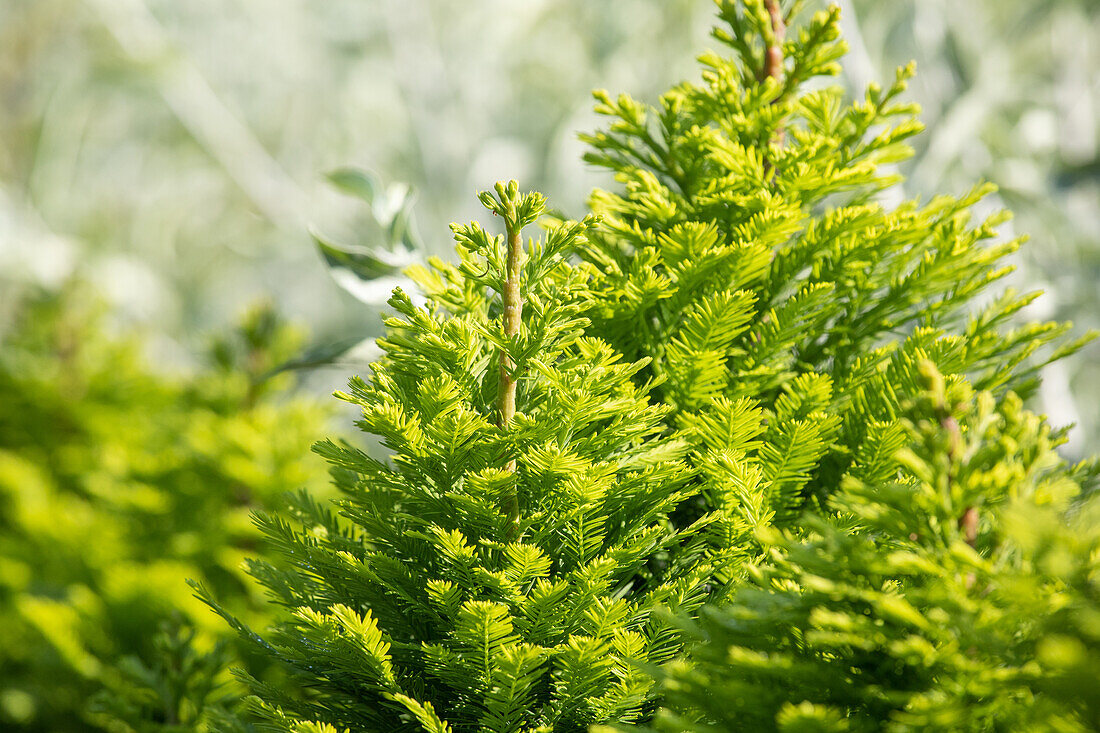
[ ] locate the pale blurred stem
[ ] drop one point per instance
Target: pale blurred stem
(513, 312)
(773, 65)
(968, 523)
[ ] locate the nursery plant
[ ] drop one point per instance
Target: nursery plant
(602, 428)
(118, 481)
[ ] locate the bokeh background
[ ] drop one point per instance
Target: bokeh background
(173, 153)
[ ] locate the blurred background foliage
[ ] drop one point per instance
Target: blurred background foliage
(117, 484)
(171, 157)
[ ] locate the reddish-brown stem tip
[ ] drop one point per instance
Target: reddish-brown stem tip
(773, 56)
(968, 524)
(773, 63)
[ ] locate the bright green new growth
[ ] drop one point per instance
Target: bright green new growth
(492, 575)
(751, 256)
(914, 620)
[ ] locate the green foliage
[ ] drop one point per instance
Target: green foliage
(369, 273)
(117, 483)
(744, 331)
(776, 319)
(954, 597)
(179, 688)
(750, 256)
(425, 603)
(995, 95)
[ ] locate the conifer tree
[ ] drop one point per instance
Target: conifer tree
(751, 253)
(956, 597)
(499, 571)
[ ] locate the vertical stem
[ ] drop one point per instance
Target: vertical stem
(968, 523)
(513, 312)
(773, 57)
(773, 63)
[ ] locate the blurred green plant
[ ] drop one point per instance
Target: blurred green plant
(141, 128)
(119, 482)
